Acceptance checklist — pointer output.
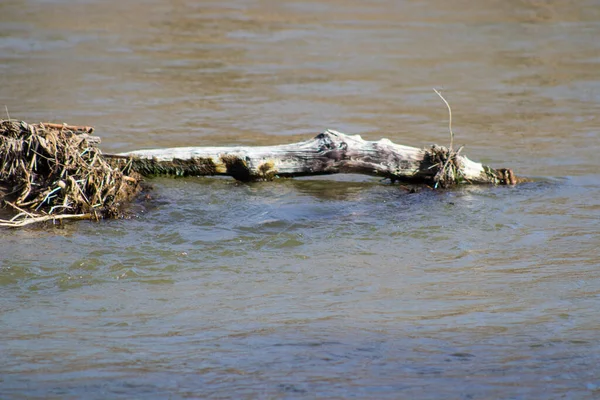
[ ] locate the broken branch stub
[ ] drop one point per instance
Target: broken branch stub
(330, 152)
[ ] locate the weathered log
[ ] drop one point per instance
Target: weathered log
(330, 152)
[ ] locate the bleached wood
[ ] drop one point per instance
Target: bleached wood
(328, 153)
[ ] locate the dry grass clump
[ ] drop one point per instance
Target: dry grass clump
(447, 163)
(52, 172)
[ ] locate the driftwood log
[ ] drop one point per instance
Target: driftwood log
(330, 152)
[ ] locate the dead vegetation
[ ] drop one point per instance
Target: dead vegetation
(52, 172)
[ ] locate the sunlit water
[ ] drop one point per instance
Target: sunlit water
(339, 287)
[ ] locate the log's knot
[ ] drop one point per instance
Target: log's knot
(267, 171)
(331, 146)
(326, 143)
(236, 167)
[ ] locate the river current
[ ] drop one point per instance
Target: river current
(326, 287)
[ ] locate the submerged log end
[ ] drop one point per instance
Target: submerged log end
(450, 168)
(501, 176)
(506, 176)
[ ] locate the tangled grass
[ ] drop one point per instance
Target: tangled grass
(51, 172)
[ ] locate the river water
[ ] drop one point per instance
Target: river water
(329, 287)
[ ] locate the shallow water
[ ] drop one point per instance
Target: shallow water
(337, 287)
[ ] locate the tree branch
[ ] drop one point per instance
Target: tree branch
(330, 152)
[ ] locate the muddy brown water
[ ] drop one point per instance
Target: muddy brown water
(336, 287)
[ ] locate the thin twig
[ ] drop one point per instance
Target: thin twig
(43, 218)
(449, 118)
(74, 128)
